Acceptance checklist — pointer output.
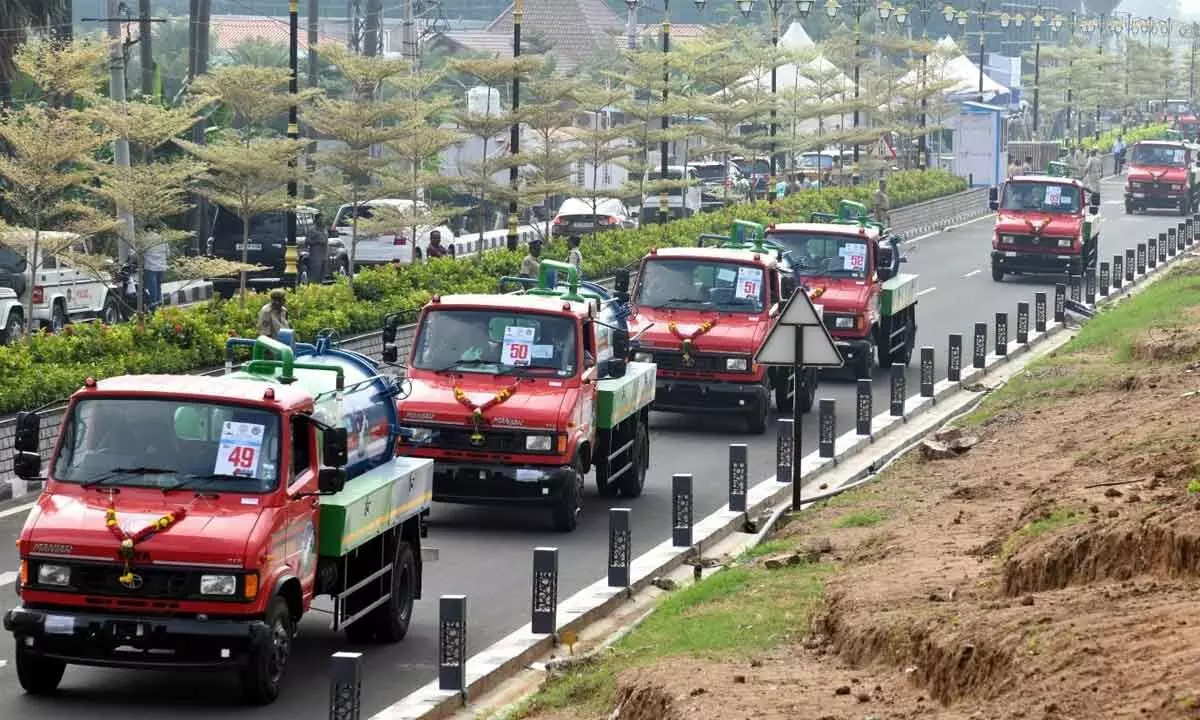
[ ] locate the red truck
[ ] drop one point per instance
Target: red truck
(850, 267)
(188, 522)
(1045, 223)
(702, 313)
(1162, 174)
(517, 396)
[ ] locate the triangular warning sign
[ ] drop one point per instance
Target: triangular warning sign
(817, 348)
(799, 310)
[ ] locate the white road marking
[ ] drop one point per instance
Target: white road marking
(926, 290)
(974, 272)
(7, 578)
(15, 510)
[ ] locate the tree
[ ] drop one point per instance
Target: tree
(602, 144)
(247, 169)
(547, 112)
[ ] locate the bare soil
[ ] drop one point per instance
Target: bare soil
(1052, 571)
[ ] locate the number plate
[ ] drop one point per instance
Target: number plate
(59, 625)
(251, 246)
(584, 225)
(1139, 195)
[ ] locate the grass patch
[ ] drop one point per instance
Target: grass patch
(1056, 520)
(727, 615)
(865, 518)
(770, 547)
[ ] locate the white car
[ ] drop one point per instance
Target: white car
(577, 216)
(375, 247)
(681, 202)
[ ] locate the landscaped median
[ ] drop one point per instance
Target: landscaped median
(178, 340)
(1049, 570)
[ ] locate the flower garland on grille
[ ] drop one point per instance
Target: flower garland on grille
(689, 340)
(477, 411)
(129, 542)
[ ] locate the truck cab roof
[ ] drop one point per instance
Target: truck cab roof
(1043, 178)
(827, 228)
(765, 257)
(199, 387)
(534, 303)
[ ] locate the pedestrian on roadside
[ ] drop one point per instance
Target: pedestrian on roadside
(154, 267)
(1091, 172)
(880, 203)
(273, 316)
(1118, 151)
(435, 249)
(574, 257)
(317, 243)
(529, 266)
(1027, 166)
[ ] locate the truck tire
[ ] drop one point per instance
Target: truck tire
(110, 314)
(633, 482)
(263, 676)
(38, 675)
(808, 398)
(997, 272)
(14, 328)
(567, 508)
(1128, 209)
(392, 619)
(756, 421)
(864, 369)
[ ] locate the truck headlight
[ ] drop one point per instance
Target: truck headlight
(539, 443)
(1176, 187)
(1066, 242)
(57, 575)
(643, 357)
(735, 364)
(418, 436)
(844, 323)
(218, 584)
(1008, 239)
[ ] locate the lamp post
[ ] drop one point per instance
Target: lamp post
(856, 9)
(924, 9)
(666, 116)
(631, 24)
(514, 139)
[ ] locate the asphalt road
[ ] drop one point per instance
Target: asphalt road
(486, 553)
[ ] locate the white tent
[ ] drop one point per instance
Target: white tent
(949, 64)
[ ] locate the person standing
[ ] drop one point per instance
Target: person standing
(317, 243)
(1118, 151)
(574, 256)
(1091, 172)
(880, 203)
(273, 316)
(154, 267)
(435, 249)
(529, 266)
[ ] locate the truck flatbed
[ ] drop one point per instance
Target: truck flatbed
(373, 503)
(618, 398)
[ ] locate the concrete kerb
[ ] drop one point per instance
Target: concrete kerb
(499, 662)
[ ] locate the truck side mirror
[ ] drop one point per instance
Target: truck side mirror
(787, 286)
(334, 447)
(620, 344)
(616, 368)
(621, 281)
(28, 435)
(27, 465)
(994, 198)
(331, 481)
(1094, 202)
(390, 353)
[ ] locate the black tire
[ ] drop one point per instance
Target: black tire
(58, 318)
(756, 421)
(997, 272)
(633, 482)
(864, 369)
(568, 507)
(263, 676)
(1128, 209)
(110, 314)
(38, 675)
(782, 386)
(389, 622)
(809, 397)
(14, 328)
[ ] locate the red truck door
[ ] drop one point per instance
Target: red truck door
(301, 531)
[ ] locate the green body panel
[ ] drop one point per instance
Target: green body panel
(618, 398)
(373, 503)
(898, 293)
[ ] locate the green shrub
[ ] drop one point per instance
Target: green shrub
(1105, 142)
(179, 340)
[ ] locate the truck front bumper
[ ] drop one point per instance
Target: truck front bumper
(691, 396)
(496, 484)
(133, 641)
(1155, 198)
(853, 350)
(1014, 261)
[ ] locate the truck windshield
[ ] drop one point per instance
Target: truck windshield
(141, 442)
(496, 342)
(1041, 196)
(707, 284)
(1158, 155)
(824, 254)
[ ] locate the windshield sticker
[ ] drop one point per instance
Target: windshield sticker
(240, 451)
(518, 345)
(726, 274)
(854, 256)
(749, 283)
(542, 352)
(1053, 194)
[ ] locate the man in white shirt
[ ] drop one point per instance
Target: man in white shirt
(154, 267)
(1118, 151)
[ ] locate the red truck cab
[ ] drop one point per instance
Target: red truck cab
(701, 314)
(1044, 224)
(1161, 174)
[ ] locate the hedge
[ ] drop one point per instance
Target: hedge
(177, 340)
(1105, 142)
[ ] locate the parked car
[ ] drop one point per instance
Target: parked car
(376, 247)
(266, 247)
(577, 216)
(681, 201)
(720, 184)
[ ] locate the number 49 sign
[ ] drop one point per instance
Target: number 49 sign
(240, 450)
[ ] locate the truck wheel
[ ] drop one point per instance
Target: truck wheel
(634, 481)
(391, 620)
(14, 328)
(808, 397)
(111, 313)
(263, 675)
(38, 675)
(997, 272)
(782, 386)
(756, 421)
(568, 507)
(1128, 209)
(864, 369)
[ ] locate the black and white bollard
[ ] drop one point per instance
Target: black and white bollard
(1141, 259)
(681, 510)
(739, 471)
(1089, 286)
(954, 358)
(899, 391)
(1165, 242)
(1076, 287)
(620, 546)
(1152, 246)
(1175, 240)
(1105, 278)
(544, 615)
(1023, 323)
(452, 643)
(783, 450)
(1131, 264)
(1060, 304)
(345, 686)
(1118, 271)
(826, 427)
(927, 370)
(979, 348)
(1039, 312)
(862, 407)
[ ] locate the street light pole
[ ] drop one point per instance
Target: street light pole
(924, 7)
(664, 146)
(983, 12)
(856, 8)
(514, 134)
(290, 254)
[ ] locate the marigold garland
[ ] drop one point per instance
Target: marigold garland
(688, 340)
(129, 542)
(477, 411)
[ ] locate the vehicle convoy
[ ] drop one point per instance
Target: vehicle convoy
(188, 522)
(1045, 223)
(702, 313)
(850, 266)
(517, 396)
(1162, 174)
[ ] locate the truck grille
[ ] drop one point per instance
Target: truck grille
(494, 440)
(666, 360)
(154, 583)
(1040, 242)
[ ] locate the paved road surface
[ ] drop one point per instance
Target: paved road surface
(486, 553)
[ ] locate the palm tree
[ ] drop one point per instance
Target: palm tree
(50, 16)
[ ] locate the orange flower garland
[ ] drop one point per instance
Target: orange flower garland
(129, 542)
(477, 411)
(688, 340)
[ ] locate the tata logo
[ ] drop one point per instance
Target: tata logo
(53, 548)
(131, 582)
(418, 416)
(509, 421)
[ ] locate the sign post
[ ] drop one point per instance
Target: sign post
(798, 339)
